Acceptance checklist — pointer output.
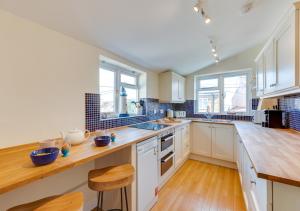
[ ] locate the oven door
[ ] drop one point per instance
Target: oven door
(166, 142)
(166, 163)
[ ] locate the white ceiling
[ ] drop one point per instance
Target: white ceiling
(157, 34)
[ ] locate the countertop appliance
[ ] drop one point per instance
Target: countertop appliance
(259, 116)
(170, 113)
(273, 119)
(166, 154)
(180, 114)
(147, 174)
(150, 126)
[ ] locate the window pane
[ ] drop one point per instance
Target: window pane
(107, 90)
(128, 79)
(235, 94)
(209, 83)
(131, 97)
(209, 101)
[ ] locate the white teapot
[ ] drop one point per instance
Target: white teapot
(75, 137)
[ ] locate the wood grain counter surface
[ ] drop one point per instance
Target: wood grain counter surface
(275, 153)
(16, 168)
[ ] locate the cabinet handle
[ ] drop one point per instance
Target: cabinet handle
(253, 182)
(252, 167)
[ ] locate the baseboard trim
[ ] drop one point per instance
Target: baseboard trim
(213, 161)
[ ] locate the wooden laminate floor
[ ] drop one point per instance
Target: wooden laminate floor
(201, 186)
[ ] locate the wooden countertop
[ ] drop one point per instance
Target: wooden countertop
(16, 168)
(275, 153)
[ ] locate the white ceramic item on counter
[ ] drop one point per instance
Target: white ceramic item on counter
(75, 137)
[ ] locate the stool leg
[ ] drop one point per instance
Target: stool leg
(102, 200)
(126, 199)
(98, 201)
(121, 199)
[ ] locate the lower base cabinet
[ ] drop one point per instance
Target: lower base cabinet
(256, 191)
(182, 144)
(213, 140)
(261, 194)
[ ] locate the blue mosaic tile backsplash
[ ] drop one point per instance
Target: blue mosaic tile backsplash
(188, 106)
(151, 111)
(291, 107)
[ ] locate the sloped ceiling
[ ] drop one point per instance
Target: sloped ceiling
(156, 34)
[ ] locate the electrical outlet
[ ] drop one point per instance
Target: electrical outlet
(161, 111)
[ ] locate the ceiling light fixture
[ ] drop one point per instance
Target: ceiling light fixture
(199, 7)
(214, 51)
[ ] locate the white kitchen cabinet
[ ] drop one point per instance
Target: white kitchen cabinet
(260, 68)
(213, 141)
(201, 139)
(178, 147)
(182, 144)
(285, 53)
(222, 142)
(186, 141)
(172, 87)
(257, 192)
(270, 68)
(278, 62)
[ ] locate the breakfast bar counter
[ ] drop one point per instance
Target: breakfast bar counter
(274, 153)
(16, 168)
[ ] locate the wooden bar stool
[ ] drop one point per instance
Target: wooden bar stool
(111, 178)
(69, 201)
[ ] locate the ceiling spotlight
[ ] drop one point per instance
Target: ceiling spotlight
(198, 6)
(207, 20)
(215, 55)
(213, 50)
(217, 60)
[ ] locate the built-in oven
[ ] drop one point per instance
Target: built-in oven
(166, 163)
(166, 142)
(166, 153)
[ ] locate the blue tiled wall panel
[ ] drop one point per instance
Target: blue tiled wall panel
(291, 107)
(255, 102)
(94, 121)
(188, 106)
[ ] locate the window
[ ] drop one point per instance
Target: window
(112, 77)
(107, 91)
(222, 93)
(235, 94)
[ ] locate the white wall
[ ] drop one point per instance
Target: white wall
(43, 77)
(241, 61)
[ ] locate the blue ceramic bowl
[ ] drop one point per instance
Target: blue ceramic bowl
(44, 156)
(102, 141)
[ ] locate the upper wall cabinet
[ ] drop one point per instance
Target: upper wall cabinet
(278, 63)
(171, 88)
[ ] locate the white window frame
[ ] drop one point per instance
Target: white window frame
(117, 83)
(221, 77)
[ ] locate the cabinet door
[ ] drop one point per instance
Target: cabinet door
(285, 53)
(260, 66)
(270, 70)
(175, 86)
(178, 147)
(186, 140)
(222, 142)
(201, 139)
(181, 89)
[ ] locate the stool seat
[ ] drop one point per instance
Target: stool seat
(69, 201)
(111, 178)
